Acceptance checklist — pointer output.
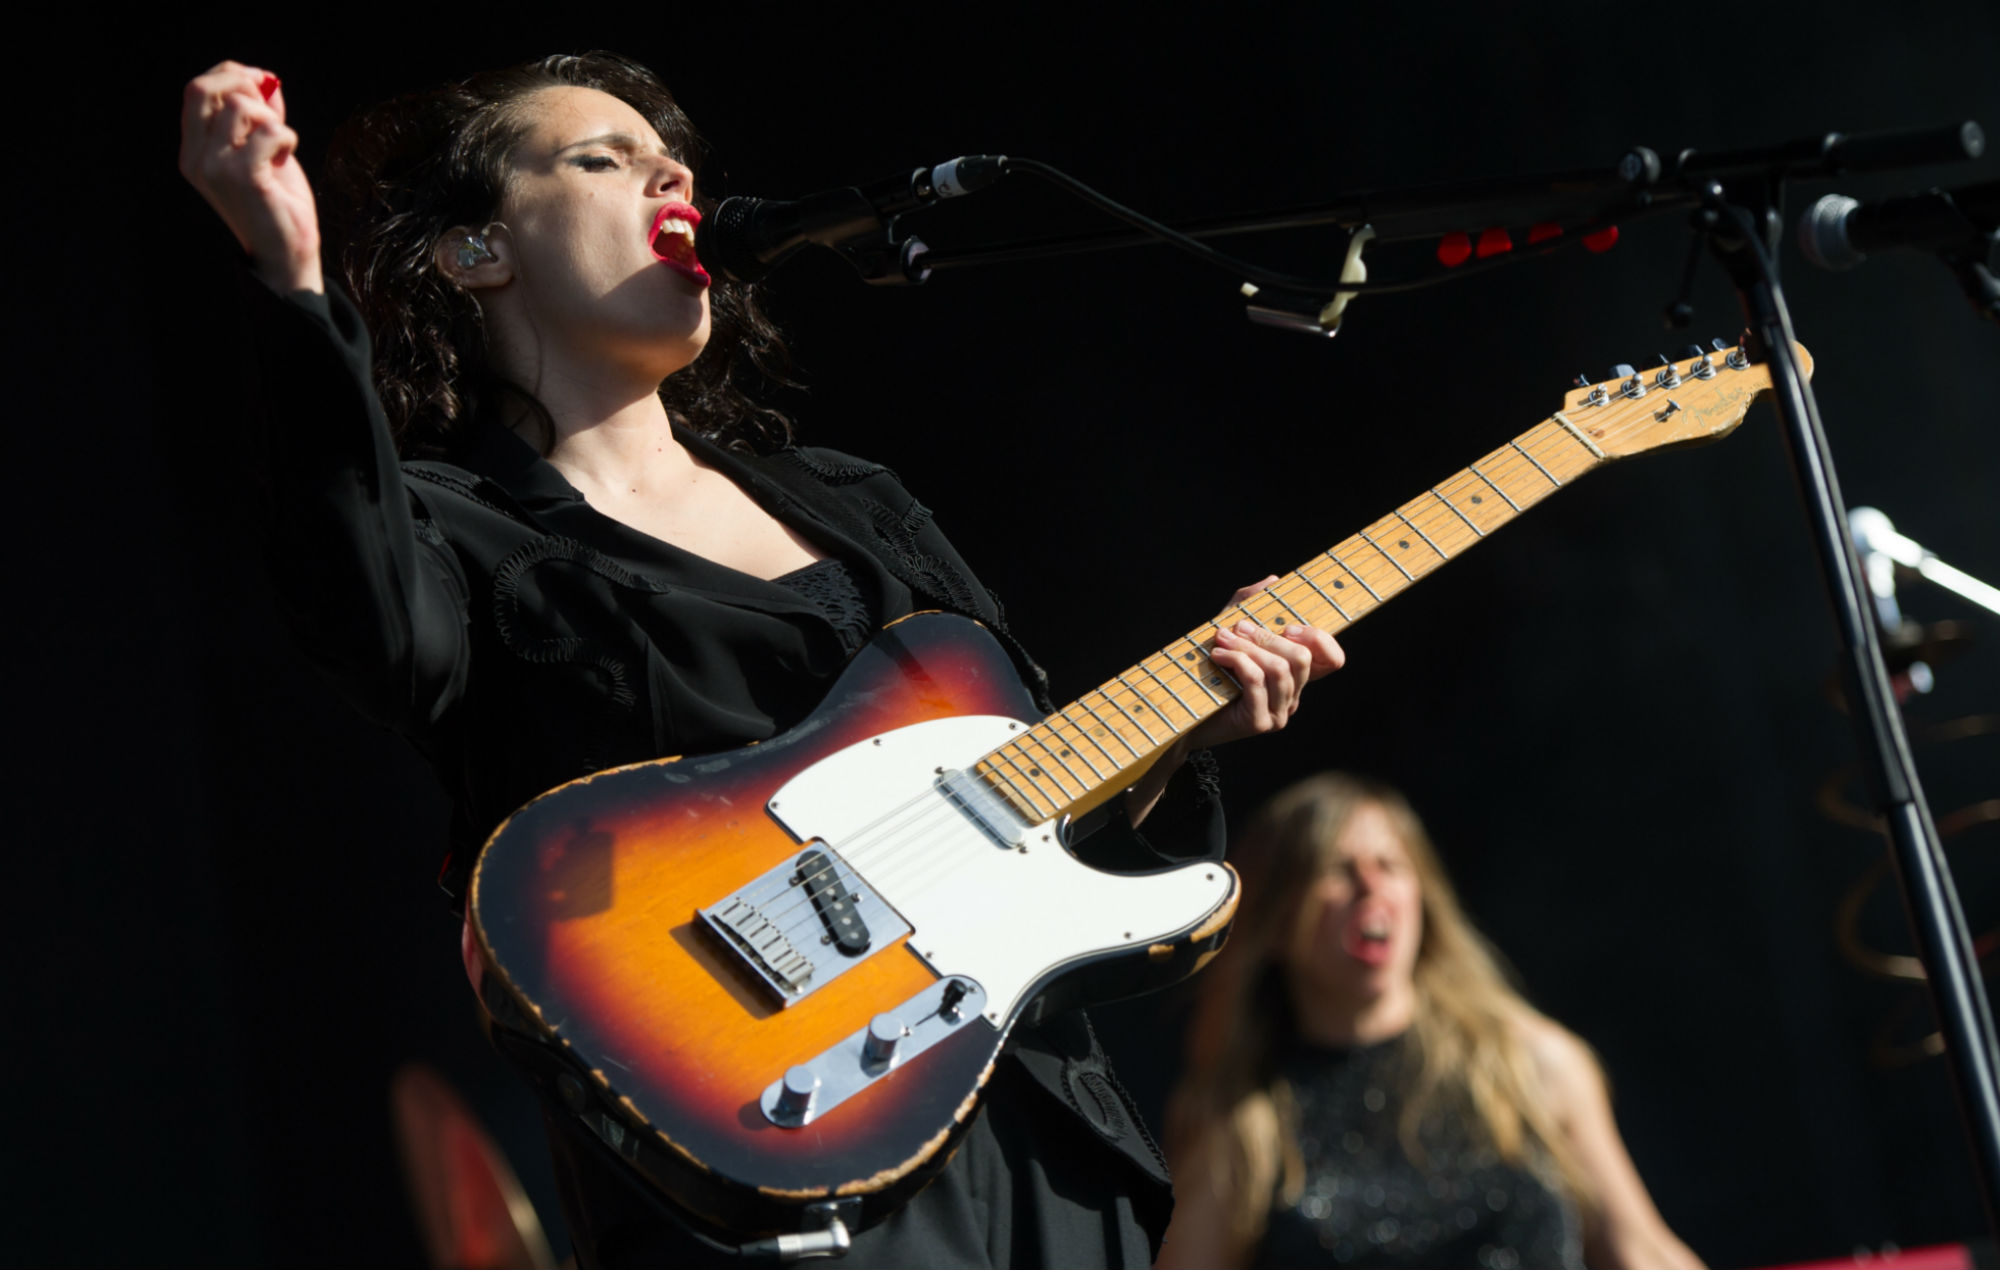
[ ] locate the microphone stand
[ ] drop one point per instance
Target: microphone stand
(1743, 236)
(1639, 184)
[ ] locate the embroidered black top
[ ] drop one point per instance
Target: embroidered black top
(521, 639)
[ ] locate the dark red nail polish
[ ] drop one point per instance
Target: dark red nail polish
(268, 85)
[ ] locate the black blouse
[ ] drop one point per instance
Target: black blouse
(522, 639)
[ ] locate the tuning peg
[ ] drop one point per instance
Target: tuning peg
(1621, 371)
(1669, 376)
(1718, 344)
(1693, 350)
(1630, 384)
(1582, 381)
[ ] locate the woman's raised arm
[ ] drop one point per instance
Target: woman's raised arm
(236, 150)
(378, 605)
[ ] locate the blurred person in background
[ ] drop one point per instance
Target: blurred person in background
(1365, 1087)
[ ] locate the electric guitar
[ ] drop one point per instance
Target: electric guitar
(776, 980)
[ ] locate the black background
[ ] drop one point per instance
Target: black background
(1613, 716)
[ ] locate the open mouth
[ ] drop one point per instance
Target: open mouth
(1368, 939)
(672, 240)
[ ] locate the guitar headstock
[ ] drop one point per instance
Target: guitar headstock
(1685, 401)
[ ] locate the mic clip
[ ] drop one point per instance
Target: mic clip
(1310, 315)
(1977, 267)
(886, 258)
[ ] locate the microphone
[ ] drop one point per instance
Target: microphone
(1881, 549)
(745, 238)
(1837, 232)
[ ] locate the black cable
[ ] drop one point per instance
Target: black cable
(1263, 278)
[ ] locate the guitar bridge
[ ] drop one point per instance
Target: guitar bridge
(762, 943)
(804, 923)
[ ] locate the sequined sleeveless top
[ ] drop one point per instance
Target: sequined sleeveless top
(1365, 1203)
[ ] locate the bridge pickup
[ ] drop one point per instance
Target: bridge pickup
(804, 923)
(835, 906)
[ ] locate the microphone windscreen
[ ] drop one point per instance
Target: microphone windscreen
(1823, 233)
(722, 244)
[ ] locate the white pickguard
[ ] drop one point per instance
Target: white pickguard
(998, 915)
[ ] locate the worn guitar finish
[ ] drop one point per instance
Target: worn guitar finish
(780, 976)
(585, 905)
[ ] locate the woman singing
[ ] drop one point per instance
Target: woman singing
(1364, 1088)
(526, 512)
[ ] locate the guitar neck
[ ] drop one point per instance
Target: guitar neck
(1100, 743)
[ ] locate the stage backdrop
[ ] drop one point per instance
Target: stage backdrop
(1613, 715)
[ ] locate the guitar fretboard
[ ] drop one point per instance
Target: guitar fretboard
(1103, 740)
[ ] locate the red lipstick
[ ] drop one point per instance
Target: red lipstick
(672, 241)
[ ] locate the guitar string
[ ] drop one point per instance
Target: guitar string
(1523, 452)
(1437, 518)
(1509, 465)
(1424, 519)
(1513, 461)
(862, 849)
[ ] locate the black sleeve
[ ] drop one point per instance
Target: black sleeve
(1185, 825)
(372, 592)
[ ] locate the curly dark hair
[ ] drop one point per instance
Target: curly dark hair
(403, 173)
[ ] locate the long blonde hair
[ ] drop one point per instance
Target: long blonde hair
(1468, 1036)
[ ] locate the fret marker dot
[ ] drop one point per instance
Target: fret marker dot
(1034, 771)
(1187, 656)
(1404, 545)
(1477, 499)
(1338, 584)
(1215, 679)
(1063, 754)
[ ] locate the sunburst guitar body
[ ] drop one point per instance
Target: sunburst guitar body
(775, 981)
(688, 933)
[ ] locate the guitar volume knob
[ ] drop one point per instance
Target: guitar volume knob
(795, 1093)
